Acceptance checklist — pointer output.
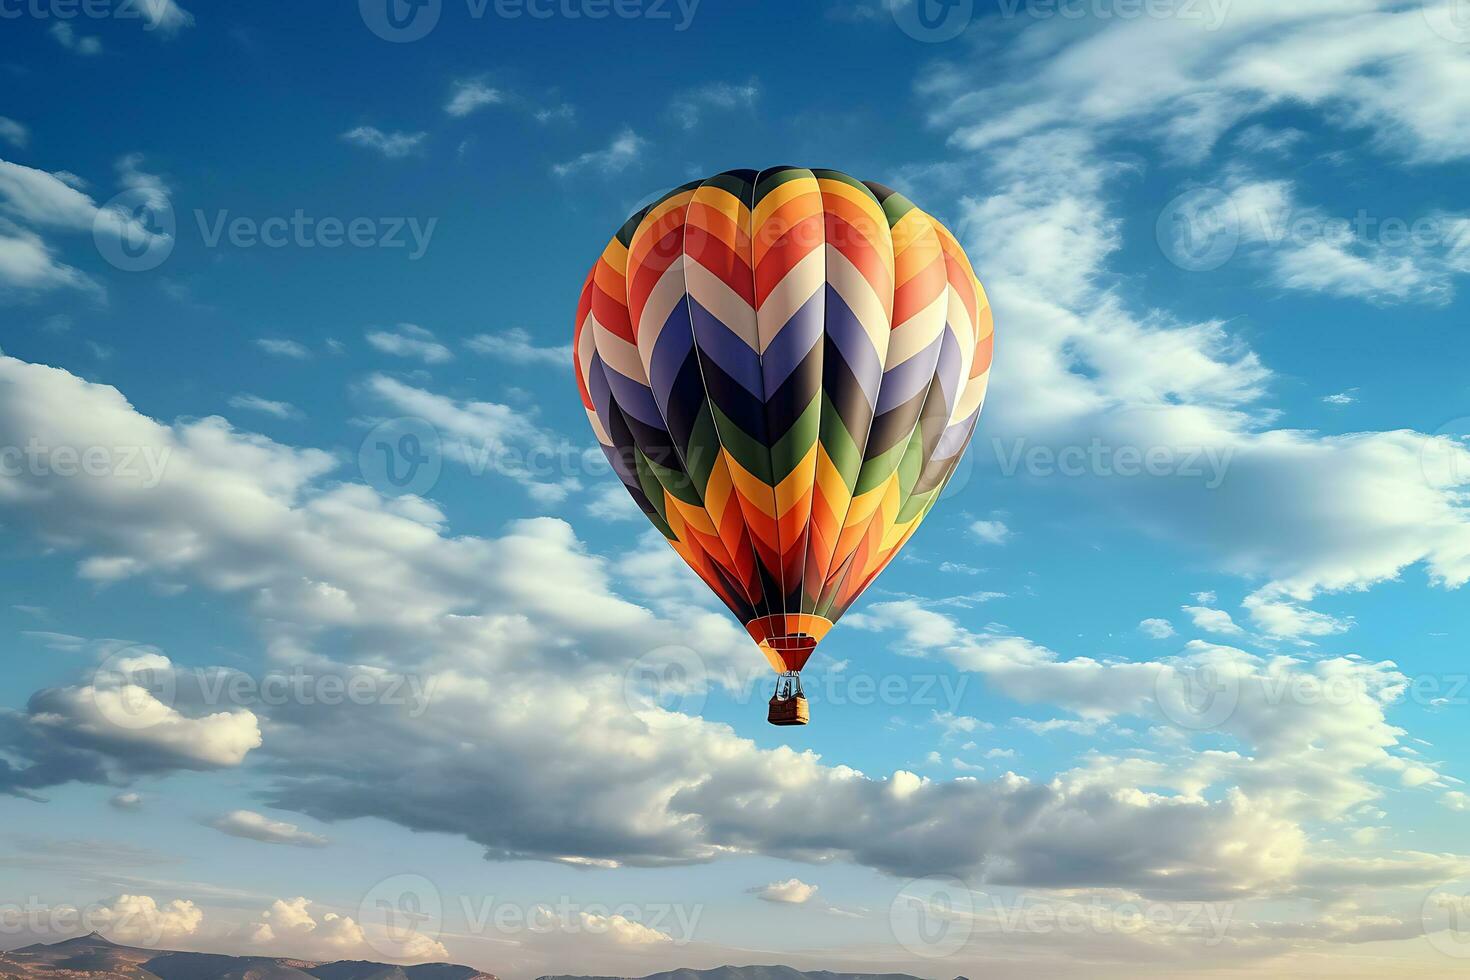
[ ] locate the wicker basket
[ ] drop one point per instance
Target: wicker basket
(789, 711)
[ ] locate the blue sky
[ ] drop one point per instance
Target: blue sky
(1225, 237)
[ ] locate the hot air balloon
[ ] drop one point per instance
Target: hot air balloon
(784, 368)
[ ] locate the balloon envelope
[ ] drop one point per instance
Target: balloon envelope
(784, 368)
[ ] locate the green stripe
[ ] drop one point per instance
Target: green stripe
(749, 453)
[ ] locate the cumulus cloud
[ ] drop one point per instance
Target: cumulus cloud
(140, 920)
(1158, 629)
(472, 613)
(990, 532)
(292, 927)
(1212, 620)
(253, 826)
(116, 727)
(1260, 502)
(792, 891)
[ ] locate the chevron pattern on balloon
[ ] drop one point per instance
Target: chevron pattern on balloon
(784, 368)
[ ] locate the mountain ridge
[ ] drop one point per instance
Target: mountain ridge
(94, 956)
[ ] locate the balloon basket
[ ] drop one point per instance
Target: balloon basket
(789, 705)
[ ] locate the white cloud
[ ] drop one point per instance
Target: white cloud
(118, 725)
(1375, 65)
(55, 200)
(792, 891)
(393, 145)
(165, 16)
(67, 37)
(475, 615)
(14, 133)
(292, 928)
(624, 151)
(254, 826)
(516, 346)
(140, 920)
(1212, 620)
(126, 801)
(1456, 800)
(689, 107)
(488, 437)
(991, 532)
(1158, 629)
(1342, 397)
(613, 504)
(1257, 138)
(280, 347)
(255, 403)
(26, 262)
(467, 95)
(1050, 725)
(410, 340)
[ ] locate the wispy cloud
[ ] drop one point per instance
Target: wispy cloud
(281, 347)
(68, 38)
(470, 94)
(412, 341)
(394, 145)
(516, 346)
(255, 403)
(689, 107)
(254, 826)
(14, 133)
(624, 151)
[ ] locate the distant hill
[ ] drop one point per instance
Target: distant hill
(752, 973)
(95, 958)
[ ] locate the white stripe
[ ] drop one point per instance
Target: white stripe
(790, 294)
(710, 292)
(667, 293)
(858, 294)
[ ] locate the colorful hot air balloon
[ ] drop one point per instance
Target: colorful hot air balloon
(784, 368)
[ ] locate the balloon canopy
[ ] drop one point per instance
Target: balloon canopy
(784, 368)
